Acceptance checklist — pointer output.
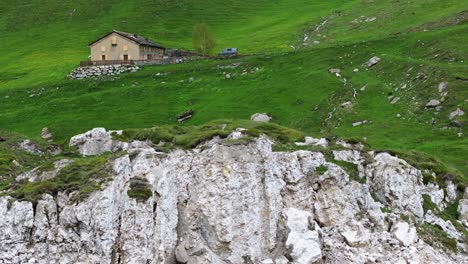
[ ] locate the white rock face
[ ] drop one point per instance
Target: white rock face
(396, 183)
(304, 244)
(96, 142)
(447, 226)
(260, 117)
(223, 204)
(463, 209)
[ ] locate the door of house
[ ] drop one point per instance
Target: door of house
(150, 56)
(125, 57)
(103, 57)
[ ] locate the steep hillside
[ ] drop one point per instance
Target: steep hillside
(419, 42)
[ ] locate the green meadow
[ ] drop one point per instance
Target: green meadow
(420, 43)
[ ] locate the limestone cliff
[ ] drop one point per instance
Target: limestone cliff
(230, 203)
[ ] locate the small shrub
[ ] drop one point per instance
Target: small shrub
(321, 169)
(140, 189)
(428, 204)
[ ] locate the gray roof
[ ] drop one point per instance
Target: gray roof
(134, 37)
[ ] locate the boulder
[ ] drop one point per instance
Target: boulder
(396, 183)
(358, 123)
(456, 123)
(433, 103)
(457, 112)
(29, 146)
(260, 117)
(442, 86)
(46, 134)
(373, 61)
(96, 142)
(404, 233)
(304, 244)
(356, 236)
(462, 211)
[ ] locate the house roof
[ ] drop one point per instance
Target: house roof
(133, 37)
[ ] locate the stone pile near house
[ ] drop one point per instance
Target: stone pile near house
(104, 70)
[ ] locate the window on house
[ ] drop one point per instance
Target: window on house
(114, 41)
(150, 56)
(103, 57)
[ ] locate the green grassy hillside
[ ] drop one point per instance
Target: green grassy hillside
(420, 44)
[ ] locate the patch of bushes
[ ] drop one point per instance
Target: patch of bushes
(140, 189)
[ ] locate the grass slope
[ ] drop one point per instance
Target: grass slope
(42, 42)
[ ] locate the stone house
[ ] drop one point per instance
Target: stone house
(123, 46)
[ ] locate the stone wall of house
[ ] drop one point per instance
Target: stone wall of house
(105, 70)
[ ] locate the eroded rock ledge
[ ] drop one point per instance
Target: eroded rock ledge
(236, 203)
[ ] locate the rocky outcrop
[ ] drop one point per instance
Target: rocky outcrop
(260, 117)
(104, 70)
(97, 141)
(224, 203)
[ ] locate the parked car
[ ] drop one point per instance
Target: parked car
(228, 52)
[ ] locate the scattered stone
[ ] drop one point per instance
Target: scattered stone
(334, 70)
(404, 86)
(433, 103)
(373, 61)
(310, 141)
(227, 76)
(456, 113)
(398, 115)
(358, 123)
(356, 238)
(363, 88)
(395, 100)
(421, 76)
(356, 70)
(46, 134)
(456, 123)
(260, 117)
(442, 86)
(462, 209)
(29, 146)
(347, 104)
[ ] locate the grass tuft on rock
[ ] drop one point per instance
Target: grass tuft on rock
(82, 177)
(140, 189)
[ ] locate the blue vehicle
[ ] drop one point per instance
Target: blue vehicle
(229, 52)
